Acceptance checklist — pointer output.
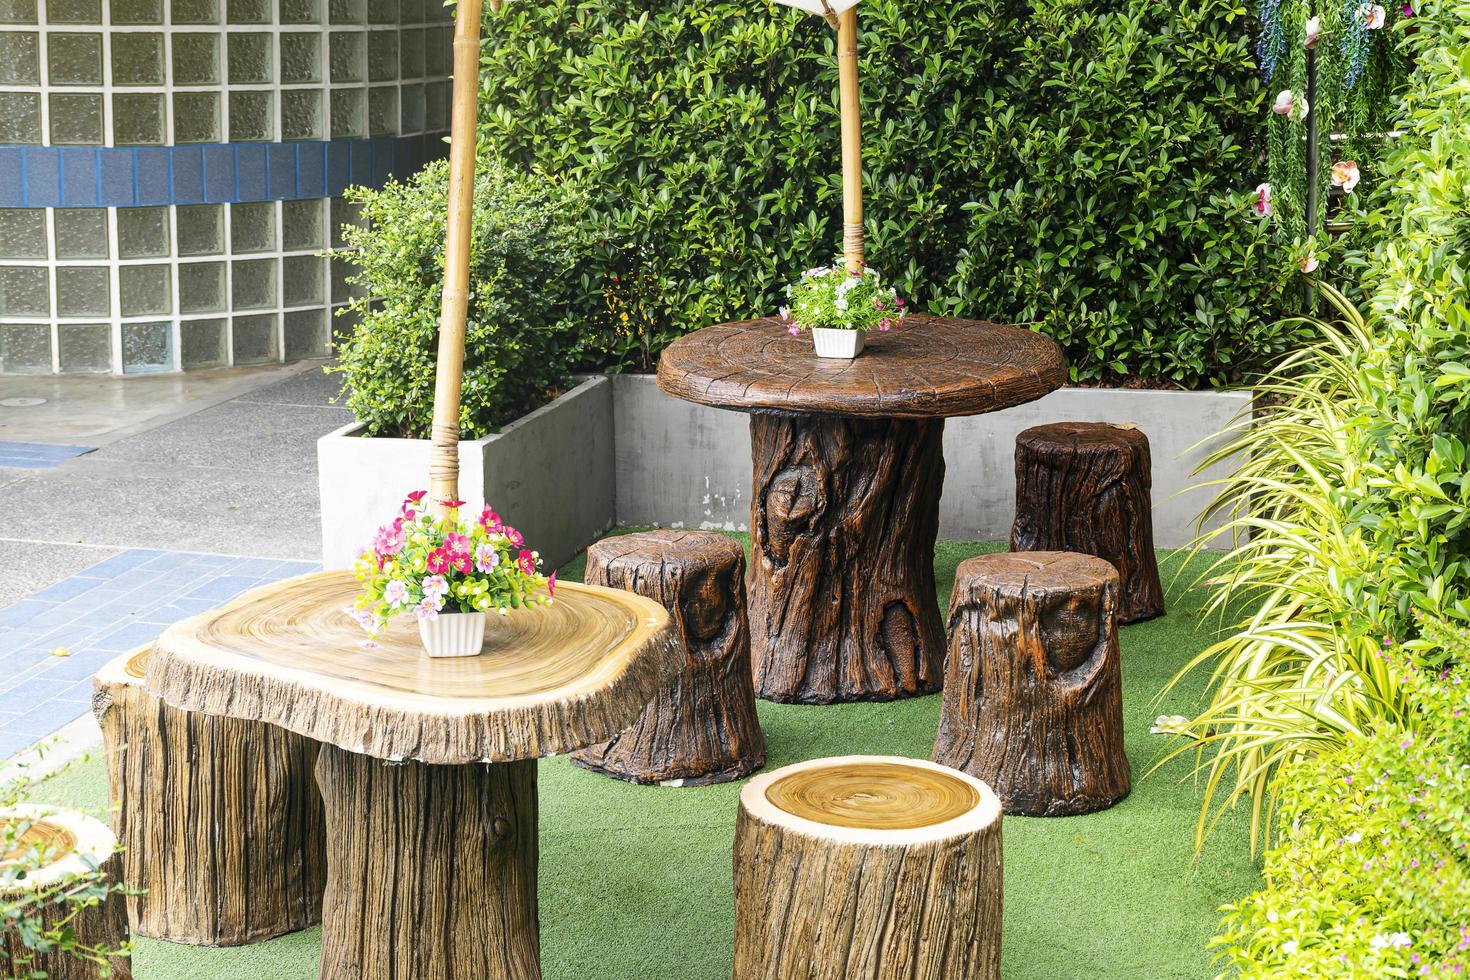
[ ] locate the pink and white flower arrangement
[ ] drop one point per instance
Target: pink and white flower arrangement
(831, 297)
(1345, 175)
(435, 564)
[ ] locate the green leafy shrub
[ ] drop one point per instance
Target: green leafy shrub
(1371, 873)
(1072, 164)
(521, 334)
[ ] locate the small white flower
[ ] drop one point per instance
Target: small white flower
(1289, 947)
(1373, 15)
(1352, 838)
(1171, 725)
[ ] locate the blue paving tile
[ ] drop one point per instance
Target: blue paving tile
(81, 692)
(46, 717)
(129, 636)
(70, 588)
(12, 744)
(111, 567)
(32, 691)
(78, 667)
(223, 588)
(21, 615)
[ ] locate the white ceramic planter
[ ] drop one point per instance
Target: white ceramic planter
(831, 342)
(453, 634)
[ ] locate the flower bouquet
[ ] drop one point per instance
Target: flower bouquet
(839, 306)
(450, 573)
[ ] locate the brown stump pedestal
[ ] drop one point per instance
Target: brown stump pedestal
(220, 820)
(69, 844)
(701, 727)
(433, 869)
(1033, 699)
(1085, 487)
(844, 516)
(867, 868)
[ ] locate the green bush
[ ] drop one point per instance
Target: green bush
(1371, 873)
(1076, 165)
(521, 335)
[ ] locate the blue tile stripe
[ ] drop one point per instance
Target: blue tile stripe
(37, 455)
(216, 173)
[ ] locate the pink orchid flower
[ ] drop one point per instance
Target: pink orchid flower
(1287, 104)
(1262, 204)
(1373, 15)
(1314, 31)
(1345, 175)
(1309, 263)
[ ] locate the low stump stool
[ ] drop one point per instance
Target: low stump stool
(61, 845)
(220, 819)
(1085, 487)
(867, 868)
(701, 728)
(1033, 683)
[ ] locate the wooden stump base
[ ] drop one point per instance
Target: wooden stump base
(69, 844)
(431, 870)
(844, 515)
(867, 868)
(1033, 687)
(701, 727)
(220, 820)
(1085, 487)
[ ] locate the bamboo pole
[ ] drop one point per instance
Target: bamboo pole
(852, 140)
(449, 370)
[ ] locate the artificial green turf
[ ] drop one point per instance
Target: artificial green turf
(635, 881)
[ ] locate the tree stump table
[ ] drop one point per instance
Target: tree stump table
(701, 727)
(867, 868)
(57, 846)
(1085, 487)
(848, 469)
(427, 767)
(220, 820)
(1033, 685)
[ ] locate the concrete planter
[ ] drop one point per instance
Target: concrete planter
(549, 473)
(680, 464)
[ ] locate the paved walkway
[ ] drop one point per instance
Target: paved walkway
(189, 500)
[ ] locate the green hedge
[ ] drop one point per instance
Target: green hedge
(1072, 164)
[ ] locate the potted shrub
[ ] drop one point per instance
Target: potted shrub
(450, 572)
(839, 307)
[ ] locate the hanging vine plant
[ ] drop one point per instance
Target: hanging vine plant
(1337, 61)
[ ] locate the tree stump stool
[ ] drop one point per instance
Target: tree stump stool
(220, 819)
(867, 868)
(1084, 487)
(65, 845)
(1033, 699)
(701, 727)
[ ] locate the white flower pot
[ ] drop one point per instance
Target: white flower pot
(453, 634)
(832, 342)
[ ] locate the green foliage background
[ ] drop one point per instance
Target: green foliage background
(1075, 165)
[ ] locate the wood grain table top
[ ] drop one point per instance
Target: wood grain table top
(930, 367)
(550, 680)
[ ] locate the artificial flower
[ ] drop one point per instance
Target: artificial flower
(1287, 104)
(885, 325)
(1373, 15)
(1308, 263)
(487, 556)
(416, 498)
(526, 561)
(1262, 204)
(513, 536)
(1345, 175)
(551, 584)
(1171, 725)
(453, 504)
(437, 561)
(395, 593)
(490, 520)
(429, 608)
(436, 586)
(1314, 30)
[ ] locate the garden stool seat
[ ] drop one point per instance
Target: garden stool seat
(1033, 699)
(867, 868)
(54, 845)
(220, 819)
(701, 727)
(1084, 487)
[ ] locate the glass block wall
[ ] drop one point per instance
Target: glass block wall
(171, 170)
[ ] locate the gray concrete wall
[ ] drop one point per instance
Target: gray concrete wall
(686, 465)
(550, 473)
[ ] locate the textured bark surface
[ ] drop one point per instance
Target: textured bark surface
(1033, 699)
(930, 367)
(840, 902)
(844, 514)
(701, 727)
(549, 680)
(102, 926)
(220, 820)
(432, 870)
(1085, 487)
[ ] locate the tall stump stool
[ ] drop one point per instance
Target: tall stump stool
(220, 819)
(1033, 699)
(1084, 487)
(67, 844)
(701, 727)
(867, 868)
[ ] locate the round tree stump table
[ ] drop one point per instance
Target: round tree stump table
(427, 767)
(849, 465)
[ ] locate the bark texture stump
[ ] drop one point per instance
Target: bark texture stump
(1033, 699)
(1085, 487)
(220, 820)
(433, 869)
(65, 842)
(701, 727)
(843, 519)
(867, 868)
